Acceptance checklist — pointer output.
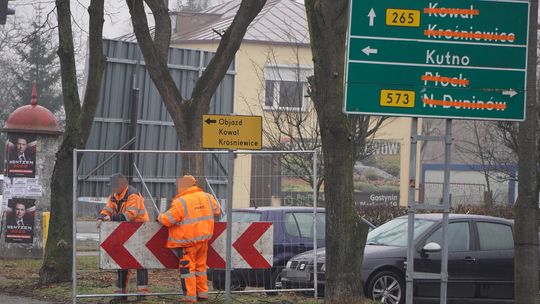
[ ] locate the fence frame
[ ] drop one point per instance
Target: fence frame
(228, 270)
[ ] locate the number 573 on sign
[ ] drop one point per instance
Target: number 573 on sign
(395, 98)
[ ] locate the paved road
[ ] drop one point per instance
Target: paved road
(19, 300)
(87, 231)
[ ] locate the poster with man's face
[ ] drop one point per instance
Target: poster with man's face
(20, 220)
(21, 155)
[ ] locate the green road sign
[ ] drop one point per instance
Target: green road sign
(447, 59)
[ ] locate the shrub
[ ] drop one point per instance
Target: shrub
(380, 214)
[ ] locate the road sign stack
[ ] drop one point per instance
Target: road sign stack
(451, 59)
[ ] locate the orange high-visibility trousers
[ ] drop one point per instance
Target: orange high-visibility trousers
(193, 272)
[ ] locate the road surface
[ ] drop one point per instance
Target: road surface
(86, 230)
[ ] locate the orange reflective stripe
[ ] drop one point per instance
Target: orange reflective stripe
(195, 220)
(170, 218)
(184, 205)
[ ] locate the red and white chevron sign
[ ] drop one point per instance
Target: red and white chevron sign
(252, 245)
(126, 245)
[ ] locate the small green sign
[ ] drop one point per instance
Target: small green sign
(463, 59)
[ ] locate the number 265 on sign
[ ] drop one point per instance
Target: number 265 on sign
(399, 99)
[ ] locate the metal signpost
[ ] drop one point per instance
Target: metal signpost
(464, 59)
(231, 132)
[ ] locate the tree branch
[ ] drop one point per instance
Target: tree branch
(96, 67)
(230, 43)
(156, 63)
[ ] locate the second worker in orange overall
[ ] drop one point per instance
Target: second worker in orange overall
(191, 224)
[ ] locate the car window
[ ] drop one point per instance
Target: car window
(394, 232)
(495, 236)
(300, 224)
(458, 236)
(291, 225)
(244, 217)
(321, 226)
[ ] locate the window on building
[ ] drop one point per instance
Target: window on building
(285, 87)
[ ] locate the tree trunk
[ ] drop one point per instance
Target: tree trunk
(187, 113)
(190, 140)
(327, 20)
(526, 280)
(57, 264)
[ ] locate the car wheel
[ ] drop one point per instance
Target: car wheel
(273, 281)
(387, 287)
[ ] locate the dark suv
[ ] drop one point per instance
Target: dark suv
(293, 234)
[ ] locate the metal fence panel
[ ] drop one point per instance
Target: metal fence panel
(295, 228)
(155, 129)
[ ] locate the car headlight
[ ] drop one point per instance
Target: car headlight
(323, 267)
(288, 264)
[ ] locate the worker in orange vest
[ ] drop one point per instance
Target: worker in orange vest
(125, 204)
(191, 224)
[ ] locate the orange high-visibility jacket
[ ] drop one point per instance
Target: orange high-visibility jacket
(190, 218)
(126, 206)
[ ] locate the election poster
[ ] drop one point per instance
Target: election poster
(21, 155)
(20, 217)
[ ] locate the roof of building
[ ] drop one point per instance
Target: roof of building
(280, 21)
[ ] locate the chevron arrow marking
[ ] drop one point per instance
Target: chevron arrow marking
(114, 245)
(156, 245)
(214, 259)
(244, 245)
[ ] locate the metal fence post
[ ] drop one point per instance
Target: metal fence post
(74, 231)
(411, 212)
(446, 210)
(315, 256)
(228, 249)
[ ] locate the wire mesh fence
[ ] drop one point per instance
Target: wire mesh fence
(460, 193)
(262, 186)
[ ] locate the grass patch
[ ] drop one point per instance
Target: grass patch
(87, 245)
(21, 278)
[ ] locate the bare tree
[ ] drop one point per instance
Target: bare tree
(480, 143)
(290, 117)
(327, 21)
(185, 112)
(57, 264)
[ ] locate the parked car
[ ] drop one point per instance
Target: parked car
(293, 231)
(480, 260)
(293, 234)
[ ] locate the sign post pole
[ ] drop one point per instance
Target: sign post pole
(446, 210)
(411, 212)
(228, 247)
